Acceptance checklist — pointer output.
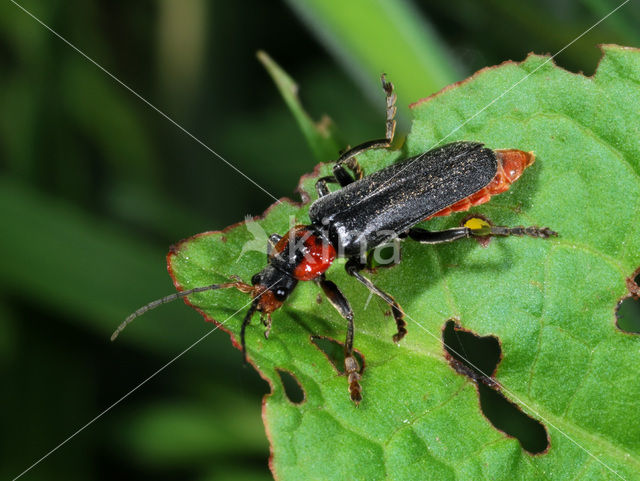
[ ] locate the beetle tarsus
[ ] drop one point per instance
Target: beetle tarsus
(402, 331)
(391, 108)
(353, 376)
(518, 231)
(340, 302)
(348, 158)
(267, 323)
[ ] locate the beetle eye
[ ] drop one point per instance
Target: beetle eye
(280, 294)
(255, 279)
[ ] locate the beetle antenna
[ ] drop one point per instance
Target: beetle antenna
(241, 286)
(245, 323)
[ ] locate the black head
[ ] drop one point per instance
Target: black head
(271, 287)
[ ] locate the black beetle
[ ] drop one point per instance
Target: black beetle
(368, 212)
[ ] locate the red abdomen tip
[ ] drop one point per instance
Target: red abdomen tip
(511, 164)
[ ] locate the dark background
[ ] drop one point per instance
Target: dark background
(95, 186)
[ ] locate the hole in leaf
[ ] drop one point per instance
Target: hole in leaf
(292, 387)
(628, 315)
(334, 351)
(462, 345)
(628, 309)
(508, 418)
(477, 358)
(386, 255)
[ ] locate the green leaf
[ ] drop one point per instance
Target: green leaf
(549, 302)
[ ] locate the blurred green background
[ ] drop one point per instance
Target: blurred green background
(95, 186)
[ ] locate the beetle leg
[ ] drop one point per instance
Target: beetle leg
(425, 236)
(243, 328)
(391, 108)
(337, 300)
(271, 242)
(321, 184)
(343, 176)
(267, 323)
(353, 267)
(348, 158)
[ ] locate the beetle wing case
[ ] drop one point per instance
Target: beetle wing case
(364, 213)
